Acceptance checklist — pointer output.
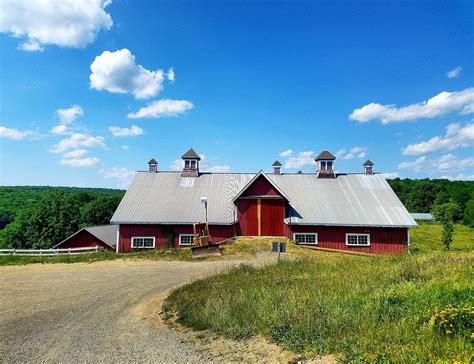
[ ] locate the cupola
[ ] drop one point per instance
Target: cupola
(325, 165)
(152, 165)
(191, 164)
(276, 167)
(368, 167)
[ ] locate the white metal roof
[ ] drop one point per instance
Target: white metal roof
(349, 199)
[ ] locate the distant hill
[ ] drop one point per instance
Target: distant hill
(14, 198)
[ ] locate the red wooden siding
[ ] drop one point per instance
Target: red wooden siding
(260, 187)
(83, 239)
(247, 216)
(382, 240)
(126, 232)
(273, 213)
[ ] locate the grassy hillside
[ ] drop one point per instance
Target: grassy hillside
(427, 237)
(409, 308)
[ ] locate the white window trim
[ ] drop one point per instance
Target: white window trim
(357, 234)
(180, 235)
(315, 234)
(143, 237)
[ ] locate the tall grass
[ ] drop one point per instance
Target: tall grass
(364, 308)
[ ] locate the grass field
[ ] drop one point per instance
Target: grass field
(382, 309)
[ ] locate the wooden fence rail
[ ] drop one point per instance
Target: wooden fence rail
(51, 252)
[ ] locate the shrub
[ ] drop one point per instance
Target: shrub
(453, 320)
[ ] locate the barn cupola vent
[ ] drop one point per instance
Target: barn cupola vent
(191, 164)
(152, 166)
(325, 165)
(368, 167)
(276, 167)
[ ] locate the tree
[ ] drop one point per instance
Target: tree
(444, 213)
(99, 211)
(469, 213)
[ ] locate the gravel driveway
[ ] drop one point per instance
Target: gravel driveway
(93, 312)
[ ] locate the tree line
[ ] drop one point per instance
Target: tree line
(53, 216)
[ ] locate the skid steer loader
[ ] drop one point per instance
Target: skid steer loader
(202, 245)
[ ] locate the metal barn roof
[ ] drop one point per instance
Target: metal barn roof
(349, 199)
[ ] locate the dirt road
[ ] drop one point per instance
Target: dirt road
(92, 312)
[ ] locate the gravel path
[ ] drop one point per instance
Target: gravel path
(90, 312)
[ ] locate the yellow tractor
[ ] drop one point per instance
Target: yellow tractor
(202, 245)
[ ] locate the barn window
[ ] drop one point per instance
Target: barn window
(186, 239)
(305, 238)
(358, 239)
(143, 242)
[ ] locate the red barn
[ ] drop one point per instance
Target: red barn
(358, 212)
(103, 236)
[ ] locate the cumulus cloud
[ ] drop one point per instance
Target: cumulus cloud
(63, 23)
(69, 115)
(390, 175)
(76, 141)
(356, 152)
(78, 153)
(286, 153)
(416, 165)
(60, 129)
(126, 132)
(461, 102)
(164, 107)
(125, 147)
(15, 134)
(123, 176)
(117, 72)
(460, 177)
(454, 73)
(450, 162)
(300, 160)
(176, 165)
(80, 162)
(170, 75)
(456, 136)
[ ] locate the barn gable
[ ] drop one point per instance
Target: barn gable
(261, 186)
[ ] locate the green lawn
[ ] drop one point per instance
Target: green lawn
(382, 309)
(427, 237)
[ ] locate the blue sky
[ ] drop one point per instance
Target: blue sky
(87, 95)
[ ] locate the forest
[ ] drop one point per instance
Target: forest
(40, 217)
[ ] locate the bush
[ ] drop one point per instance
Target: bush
(453, 320)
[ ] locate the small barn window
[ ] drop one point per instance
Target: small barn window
(186, 164)
(302, 238)
(186, 239)
(358, 239)
(143, 242)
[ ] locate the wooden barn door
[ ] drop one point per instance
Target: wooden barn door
(272, 215)
(248, 219)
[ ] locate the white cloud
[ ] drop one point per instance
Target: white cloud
(170, 75)
(125, 147)
(78, 153)
(60, 129)
(450, 162)
(164, 107)
(444, 103)
(122, 175)
(117, 72)
(69, 115)
(176, 165)
(80, 162)
(15, 134)
(301, 160)
(460, 177)
(356, 152)
(63, 23)
(456, 136)
(455, 72)
(286, 153)
(416, 165)
(126, 132)
(77, 140)
(390, 175)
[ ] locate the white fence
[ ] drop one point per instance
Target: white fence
(50, 252)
